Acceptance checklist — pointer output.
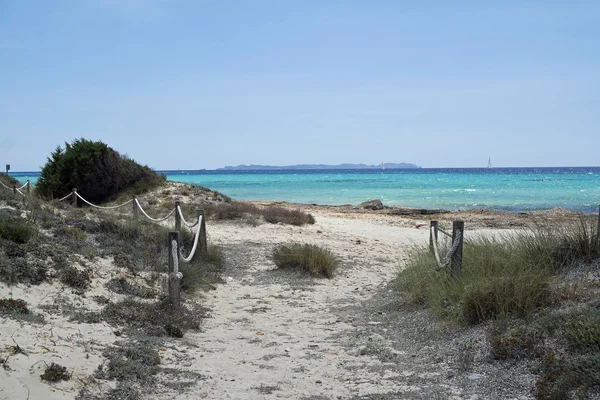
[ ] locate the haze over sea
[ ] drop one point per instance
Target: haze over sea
(501, 189)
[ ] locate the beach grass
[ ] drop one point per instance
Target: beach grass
(317, 261)
(527, 287)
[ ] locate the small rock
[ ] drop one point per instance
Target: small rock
(117, 333)
(374, 204)
(203, 395)
(287, 350)
(318, 381)
(319, 231)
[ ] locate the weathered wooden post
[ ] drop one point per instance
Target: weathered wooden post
(74, 197)
(202, 221)
(598, 229)
(174, 274)
(28, 186)
(433, 236)
(14, 189)
(135, 208)
(7, 169)
(177, 216)
(458, 228)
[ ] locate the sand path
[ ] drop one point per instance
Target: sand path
(275, 333)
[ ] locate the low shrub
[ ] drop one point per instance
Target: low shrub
(15, 230)
(121, 285)
(55, 373)
(13, 306)
(282, 215)
(137, 361)
(19, 270)
(518, 343)
(316, 260)
(155, 318)
(74, 277)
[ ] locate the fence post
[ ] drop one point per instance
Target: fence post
(28, 186)
(174, 274)
(135, 208)
(14, 189)
(177, 216)
(457, 256)
(202, 239)
(598, 229)
(74, 197)
(433, 224)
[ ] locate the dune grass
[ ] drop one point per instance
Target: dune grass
(513, 282)
(318, 261)
(509, 275)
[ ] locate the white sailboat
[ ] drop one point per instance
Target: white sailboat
(382, 165)
(490, 162)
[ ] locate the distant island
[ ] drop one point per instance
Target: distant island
(318, 166)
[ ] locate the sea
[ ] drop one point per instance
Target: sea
(499, 189)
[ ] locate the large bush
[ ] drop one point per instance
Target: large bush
(97, 171)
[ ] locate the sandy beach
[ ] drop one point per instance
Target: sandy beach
(272, 333)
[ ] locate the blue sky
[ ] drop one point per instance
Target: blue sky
(203, 84)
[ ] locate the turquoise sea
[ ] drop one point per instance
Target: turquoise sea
(503, 189)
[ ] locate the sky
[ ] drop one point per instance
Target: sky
(198, 84)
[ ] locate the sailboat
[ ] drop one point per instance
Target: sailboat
(382, 166)
(490, 162)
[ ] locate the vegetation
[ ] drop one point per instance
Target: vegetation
(15, 229)
(55, 373)
(316, 260)
(97, 171)
(506, 276)
(513, 283)
(271, 214)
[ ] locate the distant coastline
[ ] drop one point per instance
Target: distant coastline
(316, 166)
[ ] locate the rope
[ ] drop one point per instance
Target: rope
(101, 207)
(64, 198)
(452, 250)
(444, 232)
(2, 183)
(196, 237)
(153, 219)
(183, 219)
(25, 184)
(178, 274)
(435, 249)
(448, 258)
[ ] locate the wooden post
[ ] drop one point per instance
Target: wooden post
(7, 169)
(74, 197)
(28, 186)
(174, 274)
(457, 256)
(598, 229)
(202, 239)
(14, 189)
(177, 216)
(135, 208)
(431, 235)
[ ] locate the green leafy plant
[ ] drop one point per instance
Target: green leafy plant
(97, 171)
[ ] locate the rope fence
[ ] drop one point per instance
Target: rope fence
(454, 256)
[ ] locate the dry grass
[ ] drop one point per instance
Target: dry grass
(318, 261)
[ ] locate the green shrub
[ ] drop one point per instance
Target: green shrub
(155, 318)
(136, 361)
(15, 229)
(282, 215)
(316, 260)
(97, 171)
(55, 373)
(20, 270)
(75, 278)
(10, 306)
